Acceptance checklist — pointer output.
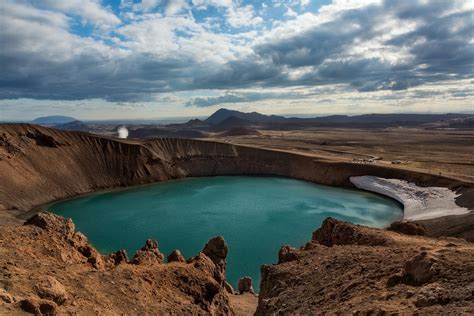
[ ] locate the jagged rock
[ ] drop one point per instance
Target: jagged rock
(176, 256)
(408, 228)
(245, 285)
(92, 255)
(394, 280)
(203, 263)
(148, 254)
(119, 257)
(51, 222)
(51, 289)
(43, 139)
(287, 254)
(228, 287)
(419, 270)
(38, 306)
(216, 249)
(432, 294)
(6, 297)
(335, 232)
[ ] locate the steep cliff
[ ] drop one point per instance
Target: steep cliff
(39, 165)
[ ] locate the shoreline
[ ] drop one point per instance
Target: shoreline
(420, 203)
(44, 206)
(96, 163)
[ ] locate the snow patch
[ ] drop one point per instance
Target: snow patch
(419, 202)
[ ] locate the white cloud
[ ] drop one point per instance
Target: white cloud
(214, 3)
(304, 3)
(175, 6)
(291, 13)
(146, 5)
(242, 16)
(90, 11)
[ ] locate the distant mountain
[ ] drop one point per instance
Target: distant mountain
(366, 120)
(53, 120)
(222, 114)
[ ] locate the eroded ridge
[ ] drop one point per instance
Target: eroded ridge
(349, 268)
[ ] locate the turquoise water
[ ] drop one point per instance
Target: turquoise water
(256, 216)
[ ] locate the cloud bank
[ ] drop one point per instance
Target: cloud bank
(78, 50)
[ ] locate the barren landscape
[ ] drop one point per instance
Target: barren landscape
(236, 157)
(84, 163)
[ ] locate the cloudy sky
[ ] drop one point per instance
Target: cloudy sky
(96, 59)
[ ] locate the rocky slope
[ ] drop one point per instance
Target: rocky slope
(48, 268)
(351, 269)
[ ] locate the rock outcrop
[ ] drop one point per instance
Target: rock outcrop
(51, 289)
(419, 270)
(148, 254)
(51, 222)
(334, 232)
(50, 269)
(245, 285)
(352, 269)
(176, 256)
(408, 228)
(216, 249)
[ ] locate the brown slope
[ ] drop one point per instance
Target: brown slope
(47, 266)
(351, 269)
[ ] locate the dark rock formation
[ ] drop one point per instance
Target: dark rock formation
(408, 228)
(335, 232)
(216, 249)
(245, 285)
(148, 254)
(53, 222)
(92, 255)
(118, 257)
(287, 254)
(38, 306)
(176, 256)
(420, 269)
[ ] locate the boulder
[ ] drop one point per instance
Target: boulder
(119, 257)
(287, 254)
(148, 254)
(38, 306)
(176, 256)
(216, 249)
(335, 232)
(420, 269)
(6, 297)
(51, 289)
(92, 255)
(408, 228)
(245, 285)
(53, 223)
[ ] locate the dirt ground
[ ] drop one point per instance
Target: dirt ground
(445, 152)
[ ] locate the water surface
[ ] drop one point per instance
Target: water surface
(256, 216)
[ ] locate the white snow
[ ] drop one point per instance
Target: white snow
(419, 202)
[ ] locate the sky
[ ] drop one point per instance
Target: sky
(139, 59)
